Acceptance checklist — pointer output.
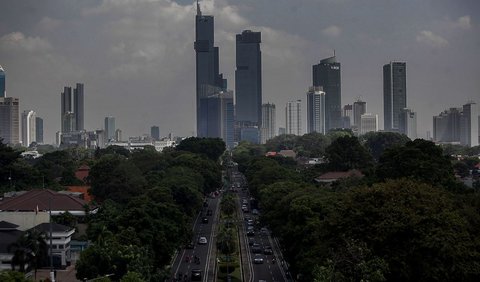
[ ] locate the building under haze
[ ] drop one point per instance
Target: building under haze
(469, 125)
(109, 129)
(248, 80)
(2, 83)
(408, 123)
(29, 127)
(118, 135)
(316, 110)
(155, 132)
(368, 123)
(326, 74)
(9, 120)
(39, 130)
(394, 94)
(217, 118)
(267, 130)
(347, 116)
(293, 117)
(359, 108)
(446, 126)
(72, 109)
(208, 79)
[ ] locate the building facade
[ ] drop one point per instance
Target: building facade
(78, 106)
(39, 130)
(2, 83)
(446, 126)
(9, 120)
(359, 108)
(267, 130)
(316, 110)
(109, 129)
(217, 118)
(327, 75)
(408, 123)
(469, 135)
(394, 93)
(368, 123)
(155, 133)
(347, 116)
(29, 127)
(293, 117)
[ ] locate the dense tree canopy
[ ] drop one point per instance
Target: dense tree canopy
(213, 148)
(347, 153)
(378, 142)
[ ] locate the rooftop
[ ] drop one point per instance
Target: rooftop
(39, 200)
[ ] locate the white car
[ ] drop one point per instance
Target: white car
(202, 241)
(258, 259)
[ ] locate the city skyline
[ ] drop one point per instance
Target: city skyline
(150, 65)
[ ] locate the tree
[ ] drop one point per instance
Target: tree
(347, 153)
(30, 248)
(419, 159)
(378, 142)
(13, 276)
(213, 148)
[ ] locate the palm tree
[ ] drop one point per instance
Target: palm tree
(30, 248)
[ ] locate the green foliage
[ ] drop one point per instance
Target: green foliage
(228, 205)
(209, 170)
(226, 241)
(347, 153)
(378, 142)
(13, 276)
(112, 150)
(132, 276)
(30, 248)
(213, 148)
(66, 219)
(421, 160)
(245, 152)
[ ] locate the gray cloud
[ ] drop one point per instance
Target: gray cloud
(428, 37)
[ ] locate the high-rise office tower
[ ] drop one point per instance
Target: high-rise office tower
(218, 116)
(208, 79)
(248, 78)
(359, 108)
(9, 120)
(28, 127)
(78, 108)
(347, 116)
(39, 130)
(2, 83)
(293, 117)
(407, 123)
(109, 129)
(155, 132)
(316, 110)
(368, 123)
(327, 75)
(67, 116)
(469, 125)
(118, 135)
(267, 130)
(394, 93)
(446, 126)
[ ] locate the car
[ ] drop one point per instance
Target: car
(202, 240)
(244, 201)
(264, 231)
(251, 241)
(245, 210)
(256, 249)
(196, 275)
(250, 233)
(250, 222)
(189, 245)
(258, 259)
(255, 211)
(268, 251)
(250, 227)
(205, 220)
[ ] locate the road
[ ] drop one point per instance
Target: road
(183, 262)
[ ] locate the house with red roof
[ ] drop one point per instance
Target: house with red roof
(333, 176)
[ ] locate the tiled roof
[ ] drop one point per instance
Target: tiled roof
(82, 189)
(5, 225)
(45, 227)
(39, 199)
(334, 175)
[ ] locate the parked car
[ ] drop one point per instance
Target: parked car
(202, 240)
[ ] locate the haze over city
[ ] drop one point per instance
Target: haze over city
(137, 61)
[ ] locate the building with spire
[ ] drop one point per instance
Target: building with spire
(208, 79)
(326, 74)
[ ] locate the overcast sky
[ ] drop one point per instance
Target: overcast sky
(137, 61)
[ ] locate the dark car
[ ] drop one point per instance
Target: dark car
(267, 251)
(190, 245)
(251, 241)
(205, 220)
(256, 249)
(196, 275)
(250, 233)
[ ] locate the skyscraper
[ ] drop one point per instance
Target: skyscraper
(217, 117)
(208, 79)
(155, 132)
(78, 108)
(39, 130)
(267, 130)
(248, 78)
(446, 126)
(316, 110)
(469, 125)
(9, 124)
(347, 116)
(2, 83)
(394, 93)
(327, 75)
(28, 127)
(67, 117)
(407, 123)
(368, 123)
(293, 117)
(359, 108)
(109, 129)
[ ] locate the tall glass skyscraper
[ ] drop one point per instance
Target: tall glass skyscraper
(9, 121)
(394, 93)
(208, 79)
(109, 129)
(316, 110)
(29, 127)
(78, 106)
(72, 114)
(248, 78)
(155, 133)
(2, 82)
(268, 128)
(293, 117)
(39, 130)
(327, 75)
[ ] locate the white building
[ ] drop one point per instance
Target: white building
(368, 123)
(29, 128)
(316, 110)
(407, 123)
(293, 117)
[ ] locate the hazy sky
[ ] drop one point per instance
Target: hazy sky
(137, 61)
